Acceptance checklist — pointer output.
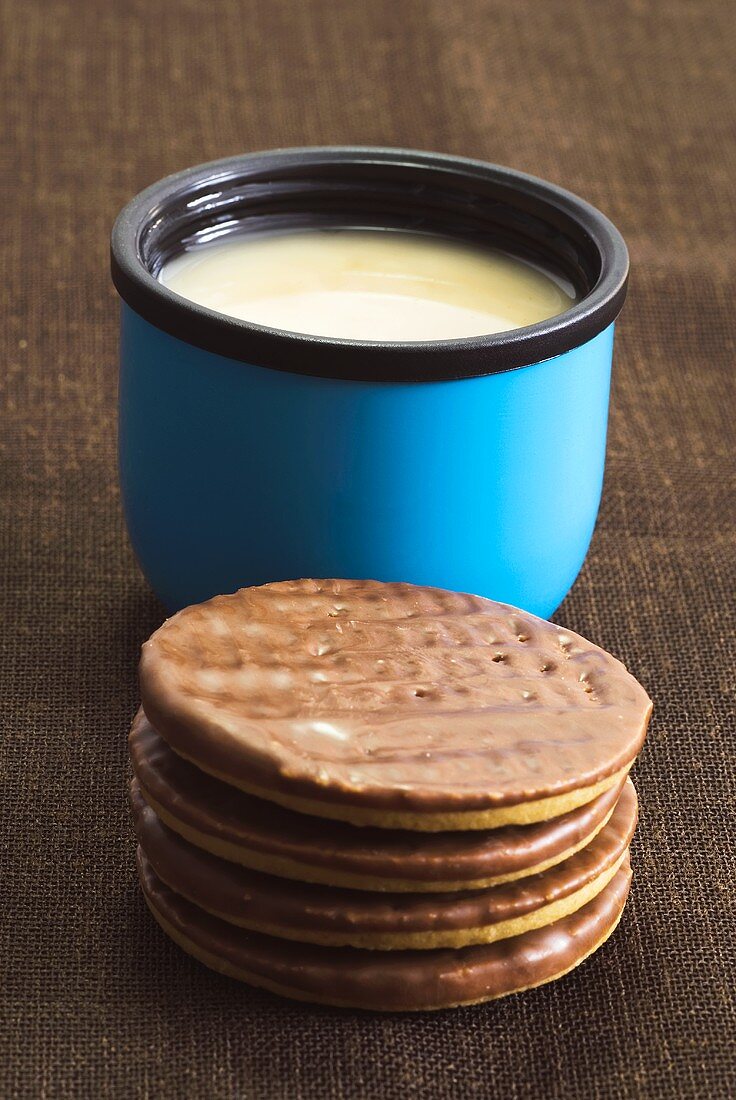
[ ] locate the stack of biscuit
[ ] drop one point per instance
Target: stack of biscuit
(383, 796)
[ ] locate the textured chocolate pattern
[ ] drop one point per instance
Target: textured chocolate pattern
(319, 850)
(396, 980)
(341, 916)
(389, 696)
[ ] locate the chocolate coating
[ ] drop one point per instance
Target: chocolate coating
(325, 914)
(393, 980)
(264, 835)
(389, 696)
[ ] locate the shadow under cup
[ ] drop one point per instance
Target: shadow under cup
(249, 454)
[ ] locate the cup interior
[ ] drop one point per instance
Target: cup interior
(360, 187)
(291, 195)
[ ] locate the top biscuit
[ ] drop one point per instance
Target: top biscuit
(392, 704)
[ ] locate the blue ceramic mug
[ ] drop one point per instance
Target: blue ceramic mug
(249, 454)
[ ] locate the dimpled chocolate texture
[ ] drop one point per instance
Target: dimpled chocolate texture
(389, 696)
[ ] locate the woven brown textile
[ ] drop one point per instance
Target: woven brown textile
(626, 102)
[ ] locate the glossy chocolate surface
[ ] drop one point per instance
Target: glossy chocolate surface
(264, 901)
(389, 696)
(391, 980)
(223, 813)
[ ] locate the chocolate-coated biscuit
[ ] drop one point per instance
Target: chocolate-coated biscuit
(393, 980)
(268, 837)
(341, 917)
(392, 705)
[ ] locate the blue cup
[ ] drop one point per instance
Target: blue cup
(249, 454)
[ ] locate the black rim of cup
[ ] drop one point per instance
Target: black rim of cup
(393, 188)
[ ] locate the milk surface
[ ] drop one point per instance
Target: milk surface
(367, 284)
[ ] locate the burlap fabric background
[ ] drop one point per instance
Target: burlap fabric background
(626, 103)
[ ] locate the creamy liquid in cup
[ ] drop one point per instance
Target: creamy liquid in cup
(367, 284)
